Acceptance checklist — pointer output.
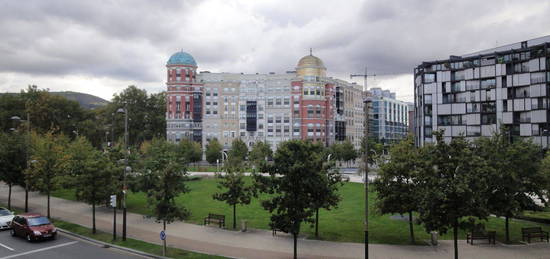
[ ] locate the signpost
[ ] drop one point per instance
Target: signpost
(113, 204)
(163, 238)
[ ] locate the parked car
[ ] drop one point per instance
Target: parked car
(33, 227)
(6, 216)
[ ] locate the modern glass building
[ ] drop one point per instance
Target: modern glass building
(389, 117)
(475, 94)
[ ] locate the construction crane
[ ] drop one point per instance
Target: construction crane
(365, 76)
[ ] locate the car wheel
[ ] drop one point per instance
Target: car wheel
(29, 238)
(12, 232)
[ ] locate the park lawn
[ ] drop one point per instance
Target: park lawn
(343, 224)
(544, 214)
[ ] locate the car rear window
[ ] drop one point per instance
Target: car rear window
(38, 221)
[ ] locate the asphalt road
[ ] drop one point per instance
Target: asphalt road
(62, 247)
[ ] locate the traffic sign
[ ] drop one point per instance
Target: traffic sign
(162, 235)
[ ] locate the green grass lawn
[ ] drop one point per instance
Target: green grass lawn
(342, 224)
(544, 214)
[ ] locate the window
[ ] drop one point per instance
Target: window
(488, 118)
(429, 78)
(428, 99)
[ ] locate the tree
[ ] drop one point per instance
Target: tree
(376, 149)
(515, 176)
(237, 192)
(292, 183)
(238, 151)
(213, 151)
(92, 173)
(451, 185)
(189, 151)
(347, 151)
(12, 160)
(169, 183)
(48, 163)
(259, 153)
(396, 182)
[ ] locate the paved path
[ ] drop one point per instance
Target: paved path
(259, 243)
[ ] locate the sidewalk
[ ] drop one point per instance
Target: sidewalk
(257, 243)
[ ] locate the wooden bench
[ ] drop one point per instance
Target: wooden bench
(481, 234)
(534, 232)
(275, 231)
(215, 218)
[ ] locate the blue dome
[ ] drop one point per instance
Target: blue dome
(181, 58)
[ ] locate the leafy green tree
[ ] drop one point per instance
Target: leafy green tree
(213, 151)
(515, 176)
(48, 163)
(236, 189)
(238, 151)
(293, 183)
(451, 185)
(396, 182)
(146, 115)
(10, 105)
(260, 151)
(169, 183)
(347, 151)
(376, 149)
(12, 160)
(92, 173)
(189, 151)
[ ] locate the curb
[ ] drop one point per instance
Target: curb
(109, 245)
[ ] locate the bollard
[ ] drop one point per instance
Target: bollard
(434, 235)
(243, 225)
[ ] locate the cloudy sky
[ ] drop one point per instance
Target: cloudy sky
(100, 47)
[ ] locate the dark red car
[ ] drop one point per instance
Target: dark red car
(33, 227)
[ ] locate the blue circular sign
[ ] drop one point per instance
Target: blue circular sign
(162, 235)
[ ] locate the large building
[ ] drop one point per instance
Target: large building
(474, 95)
(300, 104)
(389, 117)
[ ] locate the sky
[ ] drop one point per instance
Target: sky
(101, 47)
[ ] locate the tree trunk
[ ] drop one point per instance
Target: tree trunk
(295, 245)
(234, 216)
(93, 217)
(411, 230)
(455, 236)
(317, 222)
(48, 203)
(9, 196)
(164, 241)
(507, 228)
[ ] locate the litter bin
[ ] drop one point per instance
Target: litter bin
(434, 235)
(243, 225)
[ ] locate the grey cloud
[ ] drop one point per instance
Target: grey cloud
(131, 40)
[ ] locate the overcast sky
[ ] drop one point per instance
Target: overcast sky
(100, 47)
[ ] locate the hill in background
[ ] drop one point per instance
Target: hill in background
(86, 101)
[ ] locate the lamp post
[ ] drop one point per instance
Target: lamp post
(17, 118)
(125, 111)
(366, 180)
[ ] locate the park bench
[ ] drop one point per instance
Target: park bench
(533, 232)
(479, 235)
(215, 218)
(275, 231)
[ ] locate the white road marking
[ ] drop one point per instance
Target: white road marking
(40, 250)
(7, 247)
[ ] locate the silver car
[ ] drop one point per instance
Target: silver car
(6, 216)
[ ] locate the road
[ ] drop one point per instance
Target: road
(62, 247)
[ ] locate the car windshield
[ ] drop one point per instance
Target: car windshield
(38, 221)
(4, 212)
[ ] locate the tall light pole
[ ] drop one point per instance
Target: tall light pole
(125, 111)
(17, 118)
(366, 180)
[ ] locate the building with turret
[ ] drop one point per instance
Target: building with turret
(300, 104)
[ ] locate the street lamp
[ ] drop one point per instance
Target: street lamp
(17, 118)
(366, 180)
(125, 111)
